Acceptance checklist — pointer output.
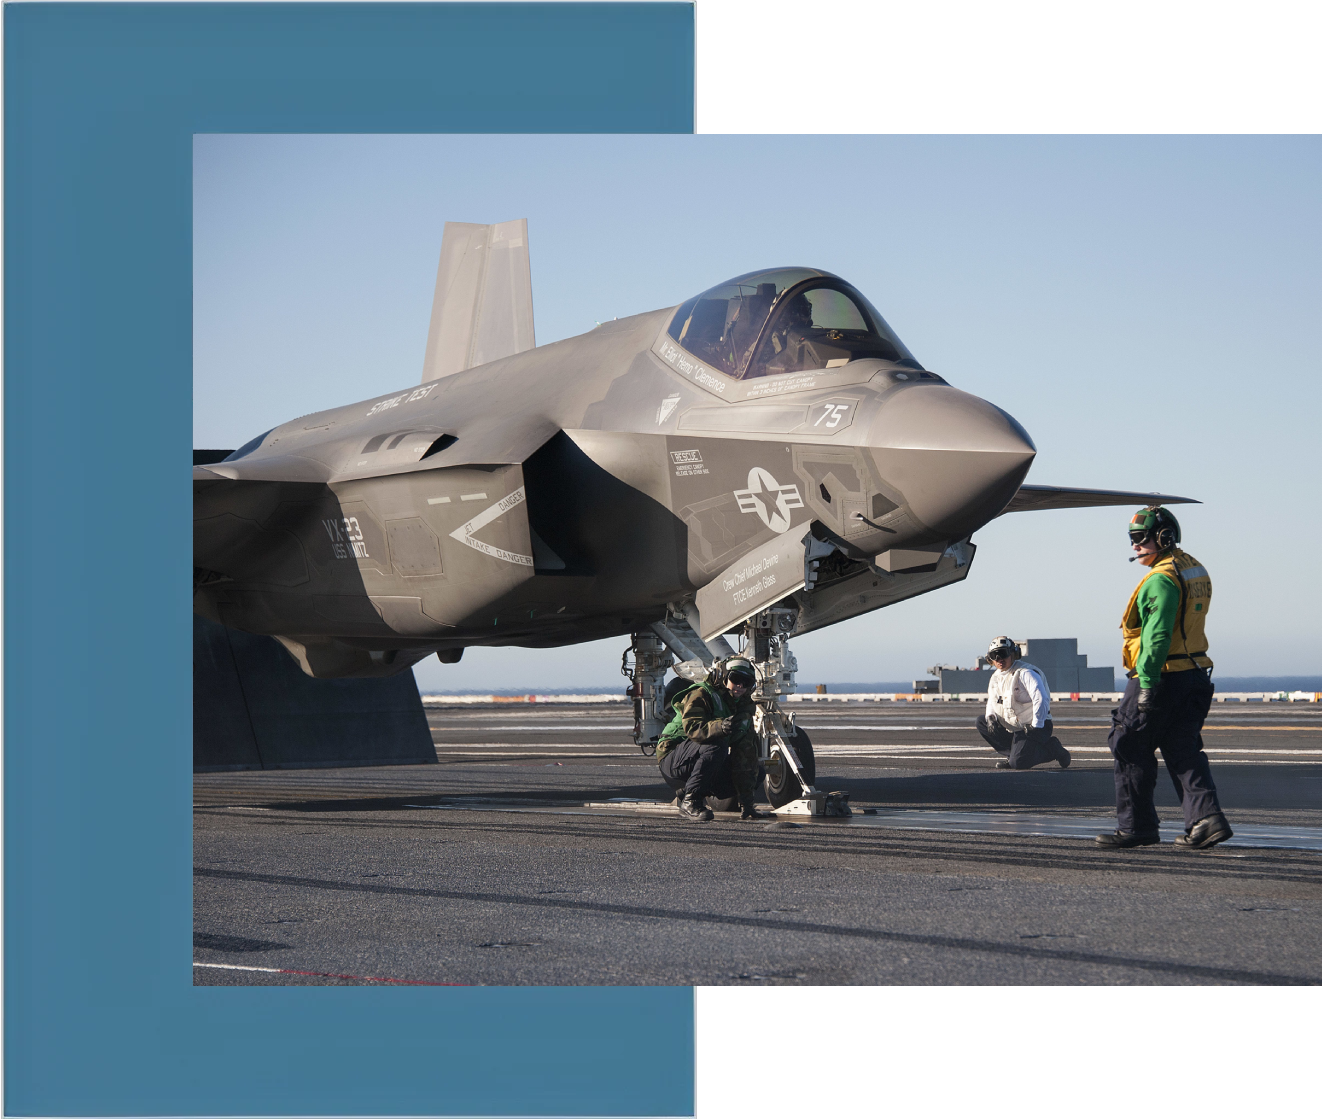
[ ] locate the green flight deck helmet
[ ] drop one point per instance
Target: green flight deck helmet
(1156, 522)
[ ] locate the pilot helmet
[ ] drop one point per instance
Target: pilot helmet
(799, 311)
(1155, 522)
(1002, 646)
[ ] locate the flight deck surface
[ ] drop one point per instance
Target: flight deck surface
(540, 851)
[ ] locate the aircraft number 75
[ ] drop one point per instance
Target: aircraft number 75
(832, 414)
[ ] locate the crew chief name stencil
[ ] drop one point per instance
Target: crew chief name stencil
(768, 499)
(464, 534)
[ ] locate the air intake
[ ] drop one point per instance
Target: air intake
(439, 445)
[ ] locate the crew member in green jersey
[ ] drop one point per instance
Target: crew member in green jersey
(1168, 694)
(709, 748)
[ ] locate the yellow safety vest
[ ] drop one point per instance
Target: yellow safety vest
(1188, 638)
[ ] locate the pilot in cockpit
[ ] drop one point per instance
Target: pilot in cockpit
(792, 334)
(753, 326)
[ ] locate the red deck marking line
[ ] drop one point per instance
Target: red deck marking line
(331, 975)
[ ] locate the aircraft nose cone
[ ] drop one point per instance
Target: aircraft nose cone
(957, 458)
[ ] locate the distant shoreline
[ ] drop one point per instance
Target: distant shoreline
(1223, 684)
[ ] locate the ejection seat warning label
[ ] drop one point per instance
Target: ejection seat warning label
(688, 463)
(346, 538)
(464, 534)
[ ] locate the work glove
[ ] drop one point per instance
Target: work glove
(725, 726)
(752, 813)
(1149, 699)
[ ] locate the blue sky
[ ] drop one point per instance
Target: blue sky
(1148, 308)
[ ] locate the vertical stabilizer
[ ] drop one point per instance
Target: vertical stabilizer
(483, 305)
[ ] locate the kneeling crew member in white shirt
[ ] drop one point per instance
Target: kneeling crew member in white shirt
(1017, 722)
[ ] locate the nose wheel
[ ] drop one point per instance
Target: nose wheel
(782, 784)
(785, 751)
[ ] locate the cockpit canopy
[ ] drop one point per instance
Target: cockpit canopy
(782, 321)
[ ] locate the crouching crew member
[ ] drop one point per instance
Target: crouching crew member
(1017, 722)
(1168, 694)
(709, 747)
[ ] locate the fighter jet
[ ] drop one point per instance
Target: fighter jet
(765, 459)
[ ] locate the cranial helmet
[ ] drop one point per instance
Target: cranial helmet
(1001, 646)
(1156, 522)
(738, 669)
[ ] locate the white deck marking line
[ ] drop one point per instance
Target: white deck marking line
(1038, 824)
(330, 975)
(900, 748)
(1044, 767)
(930, 820)
(540, 754)
(1072, 727)
(813, 727)
(558, 727)
(236, 967)
(482, 497)
(438, 501)
(894, 748)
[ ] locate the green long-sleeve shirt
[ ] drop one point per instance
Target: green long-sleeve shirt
(1159, 610)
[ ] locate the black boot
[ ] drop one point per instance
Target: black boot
(1118, 839)
(1206, 832)
(1059, 753)
(692, 809)
(753, 813)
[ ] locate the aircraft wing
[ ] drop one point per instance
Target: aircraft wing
(1065, 497)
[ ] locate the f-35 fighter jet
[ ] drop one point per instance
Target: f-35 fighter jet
(763, 460)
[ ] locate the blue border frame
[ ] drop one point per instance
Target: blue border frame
(102, 101)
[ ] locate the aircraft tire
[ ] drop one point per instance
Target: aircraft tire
(788, 788)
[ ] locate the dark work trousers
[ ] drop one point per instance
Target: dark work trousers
(1027, 746)
(1175, 729)
(699, 769)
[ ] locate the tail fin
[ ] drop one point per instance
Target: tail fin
(483, 305)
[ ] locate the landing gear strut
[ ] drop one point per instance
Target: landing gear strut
(784, 750)
(646, 679)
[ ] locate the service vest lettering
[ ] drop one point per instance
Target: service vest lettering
(1188, 636)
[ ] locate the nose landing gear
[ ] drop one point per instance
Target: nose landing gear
(786, 751)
